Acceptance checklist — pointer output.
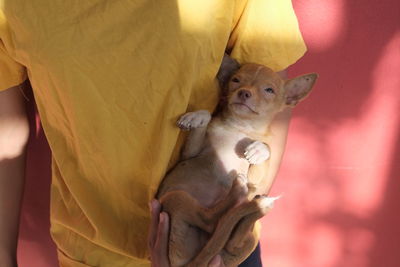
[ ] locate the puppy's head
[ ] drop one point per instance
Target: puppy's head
(256, 92)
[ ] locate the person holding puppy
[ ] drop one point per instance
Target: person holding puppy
(110, 78)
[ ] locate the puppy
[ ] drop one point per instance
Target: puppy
(211, 201)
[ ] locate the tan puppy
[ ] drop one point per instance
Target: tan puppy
(208, 195)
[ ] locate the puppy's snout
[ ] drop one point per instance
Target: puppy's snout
(244, 94)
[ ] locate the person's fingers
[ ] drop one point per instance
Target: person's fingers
(163, 231)
(216, 262)
(155, 209)
(161, 243)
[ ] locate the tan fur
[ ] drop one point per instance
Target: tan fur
(211, 194)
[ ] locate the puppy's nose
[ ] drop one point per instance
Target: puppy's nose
(244, 94)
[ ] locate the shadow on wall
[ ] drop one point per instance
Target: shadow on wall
(341, 174)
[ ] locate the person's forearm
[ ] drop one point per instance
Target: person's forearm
(11, 187)
(14, 131)
(277, 143)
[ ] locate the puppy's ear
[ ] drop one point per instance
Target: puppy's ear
(298, 88)
(228, 67)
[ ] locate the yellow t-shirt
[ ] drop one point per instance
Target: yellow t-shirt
(110, 79)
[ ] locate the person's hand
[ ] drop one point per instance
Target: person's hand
(7, 260)
(158, 238)
(216, 262)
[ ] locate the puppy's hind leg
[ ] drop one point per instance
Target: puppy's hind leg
(184, 207)
(207, 218)
(186, 226)
(224, 229)
(184, 242)
(188, 209)
(242, 241)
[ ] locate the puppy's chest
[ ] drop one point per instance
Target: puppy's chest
(228, 150)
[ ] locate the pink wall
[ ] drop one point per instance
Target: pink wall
(341, 173)
(340, 177)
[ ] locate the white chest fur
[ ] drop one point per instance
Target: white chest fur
(229, 149)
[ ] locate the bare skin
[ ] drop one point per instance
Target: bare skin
(14, 132)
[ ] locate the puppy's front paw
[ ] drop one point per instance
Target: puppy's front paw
(257, 152)
(192, 120)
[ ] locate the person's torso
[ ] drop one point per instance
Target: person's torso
(110, 79)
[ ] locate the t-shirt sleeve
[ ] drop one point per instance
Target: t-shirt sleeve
(12, 73)
(267, 32)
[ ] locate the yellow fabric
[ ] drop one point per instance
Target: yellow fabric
(110, 79)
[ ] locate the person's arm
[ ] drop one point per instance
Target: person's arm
(277, 143)
(279, 129)
(14, 133)
(264, 174)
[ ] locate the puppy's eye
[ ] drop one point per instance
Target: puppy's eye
(235, 80)
(269, 90)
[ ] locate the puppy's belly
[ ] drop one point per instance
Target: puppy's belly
(203, 180)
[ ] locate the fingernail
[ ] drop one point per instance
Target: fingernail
(155, 204)
(162, 217)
